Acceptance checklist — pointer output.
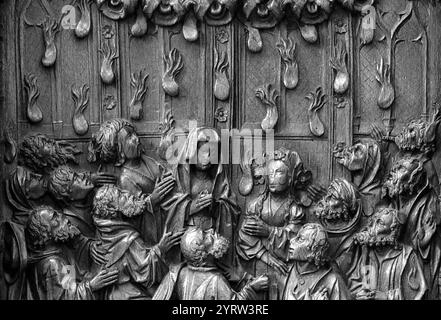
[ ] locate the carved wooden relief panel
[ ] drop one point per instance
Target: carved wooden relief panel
(346, 92)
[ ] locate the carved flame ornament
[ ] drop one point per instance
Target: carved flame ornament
(140, 26)
(173, 66)
(82, 29)
(287, 50)
(269, 97)
(221, 83)
(33, 111)
(10, 144)
(387, 91)
(167, 129)
(80, 97)
(318, 100)
(109, 56)
(139, 83)
(246, 182)
(338, 63)
(50, 28)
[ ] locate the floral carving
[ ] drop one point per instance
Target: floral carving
(221, 115)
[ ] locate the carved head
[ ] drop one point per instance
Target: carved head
(115, 142)
(310, 245)
(164, 12)
(310, 11)
(113, 202)
(404, 178)
(341, 202)
(67, 185)
(199, 247)
(285, 171)
(418, 136)
(117, 9)
(40, 153)
(383, 229)
(263, 13)
(353, 158)
(216, 12)
(46, 225)
(34, 185)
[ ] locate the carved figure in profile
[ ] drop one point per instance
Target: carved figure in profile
(340, 212)
(273, 218)
(199, 278)
(117, 144)
(203, 195)
(407, 189)
(141, 267)
(383, 268)
(49, 273)
(310, 276)
(365, 161)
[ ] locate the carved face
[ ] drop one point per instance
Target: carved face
(299, 248)
(117, 9)
(312, 11)
(164, 12)
(132, 147)
(263, 13)
(331, 208)
(382, 223)
(61, 228)
(399, 180)
(204, 156)
(278, 176)
(81, 186)
(216, 12)
(33, 184)
(353, 158)
(412, 136)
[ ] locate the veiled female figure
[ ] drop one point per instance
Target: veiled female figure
(203, 197)
(273, 219)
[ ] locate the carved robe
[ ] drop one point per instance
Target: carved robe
(396, 272)
(286, 221)
(49, 277)
(417, 209)
(140, 266)
(322, 284)
(221, 216)
(140, 179)
(185, 282)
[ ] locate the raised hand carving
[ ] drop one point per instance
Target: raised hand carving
(287, 50)
(318, 100)
(82, 29)
(167, 129)
(139, 83)
(50, 28)
(387, 91)
(117, 9)
(10, 144)
(338, 62)
(33, 111)
(173, 66)
(269, 97)
(109, 56)
(139, 28)
(80, 97)
(221, 83)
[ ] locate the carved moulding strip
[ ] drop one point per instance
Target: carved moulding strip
(255, 14)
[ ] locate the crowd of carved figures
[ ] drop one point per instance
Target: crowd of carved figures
(138, 229)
